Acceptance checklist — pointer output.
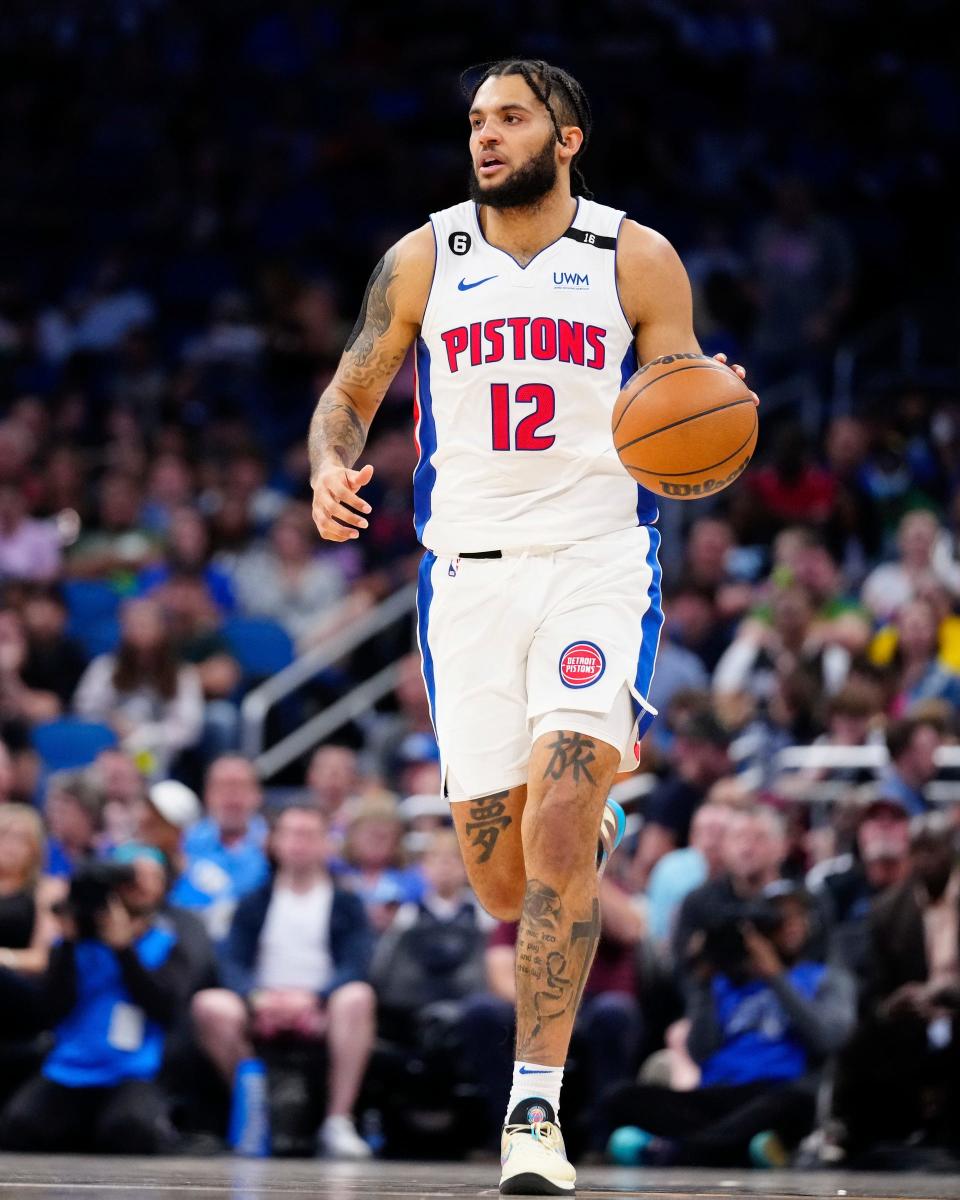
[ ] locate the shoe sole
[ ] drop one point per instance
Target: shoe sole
(528, 1183)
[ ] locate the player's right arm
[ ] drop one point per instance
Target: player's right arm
(387, 326)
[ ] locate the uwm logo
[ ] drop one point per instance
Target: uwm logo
(570, 279)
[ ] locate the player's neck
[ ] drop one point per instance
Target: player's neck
(524, 232)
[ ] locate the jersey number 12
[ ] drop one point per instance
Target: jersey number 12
(527, 435)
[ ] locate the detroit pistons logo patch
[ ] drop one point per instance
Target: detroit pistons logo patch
(581, 664)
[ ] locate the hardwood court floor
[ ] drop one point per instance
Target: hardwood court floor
(49, 1178)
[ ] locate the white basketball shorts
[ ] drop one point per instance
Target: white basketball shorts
(542, 639)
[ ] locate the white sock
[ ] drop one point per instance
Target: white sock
(534, 1079)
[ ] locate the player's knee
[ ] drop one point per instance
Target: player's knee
(502, 898)
(557, 834)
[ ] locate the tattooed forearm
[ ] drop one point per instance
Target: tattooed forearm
(554, 961)
(571, 753)
(487, 821)
(336, 430)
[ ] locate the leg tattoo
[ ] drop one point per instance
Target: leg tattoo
(571, 752)
(558, 973)
(486, 823)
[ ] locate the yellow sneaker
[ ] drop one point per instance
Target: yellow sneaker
(532, 1155)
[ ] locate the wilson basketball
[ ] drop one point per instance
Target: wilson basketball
(685, 426)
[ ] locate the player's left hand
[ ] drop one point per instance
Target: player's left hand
(741, 372)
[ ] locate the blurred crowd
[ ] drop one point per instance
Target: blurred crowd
(192, 204)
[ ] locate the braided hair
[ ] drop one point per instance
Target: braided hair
(560, 94)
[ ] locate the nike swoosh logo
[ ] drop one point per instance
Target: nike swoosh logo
(529, 1070)
(463, 286)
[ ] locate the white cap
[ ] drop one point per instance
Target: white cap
(175, 802)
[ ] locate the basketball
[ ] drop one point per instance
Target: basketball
(685, 426)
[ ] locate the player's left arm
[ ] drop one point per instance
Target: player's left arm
(656, 296)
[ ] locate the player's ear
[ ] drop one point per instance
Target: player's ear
(572, 140)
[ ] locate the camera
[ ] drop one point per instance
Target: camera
(723, 947)
(90, 890)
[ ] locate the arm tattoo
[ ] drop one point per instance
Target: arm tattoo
(571, 752)
(486, 822)
(556, 965)
(365, 360)
(337, 428)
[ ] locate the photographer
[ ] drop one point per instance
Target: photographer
(763, 1018)
(114, 984)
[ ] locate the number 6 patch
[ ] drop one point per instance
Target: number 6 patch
(459, 242)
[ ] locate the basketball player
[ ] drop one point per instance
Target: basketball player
(539, 595)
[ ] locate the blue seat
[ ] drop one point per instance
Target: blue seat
(260, 646)
(92, 608)
(69, 742)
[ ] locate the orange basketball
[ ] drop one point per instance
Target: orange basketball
(685, 426)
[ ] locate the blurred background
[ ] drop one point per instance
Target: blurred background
(193, 198)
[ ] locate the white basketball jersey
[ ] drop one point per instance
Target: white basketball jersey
(518, 369)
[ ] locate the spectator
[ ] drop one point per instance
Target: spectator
(116, 776)
(699, 758)
(790, 490)
(153, 703)
(900, 1076)
(754, 851)
(760, 652)
(188, 555)
(680, 871)
(333, 781)
(287, 581)
(854, 531)
(851, 883)
(297, 960)
(913, 743)
(919, 673)
(55, 662)
(7, 777)
(433, 952)
(115, 983)
(20, 704)
(223, 854)
(412, 716)
(168, 810)
(889, 586)
(74, 815)
(764, 1018)
(373, 861)
(196, 625)
(29, 549)
(118, 546)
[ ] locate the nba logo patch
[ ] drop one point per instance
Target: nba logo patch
(581, 664)
(535, 1114)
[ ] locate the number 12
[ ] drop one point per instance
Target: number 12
(527, 435)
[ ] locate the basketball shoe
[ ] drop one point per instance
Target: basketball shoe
(532, 1155)
(612, 824)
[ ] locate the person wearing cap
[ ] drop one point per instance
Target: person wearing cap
(849, 884)
(169, 809)
(698, 759)
(111, 996)
(764, 1019)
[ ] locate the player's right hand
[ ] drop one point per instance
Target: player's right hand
(336, 505)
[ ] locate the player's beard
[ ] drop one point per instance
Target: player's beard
(525, 186)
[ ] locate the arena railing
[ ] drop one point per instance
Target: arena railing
(258, 703)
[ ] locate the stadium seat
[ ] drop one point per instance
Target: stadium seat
(92, 608)
(68, 743)
(260, 646)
